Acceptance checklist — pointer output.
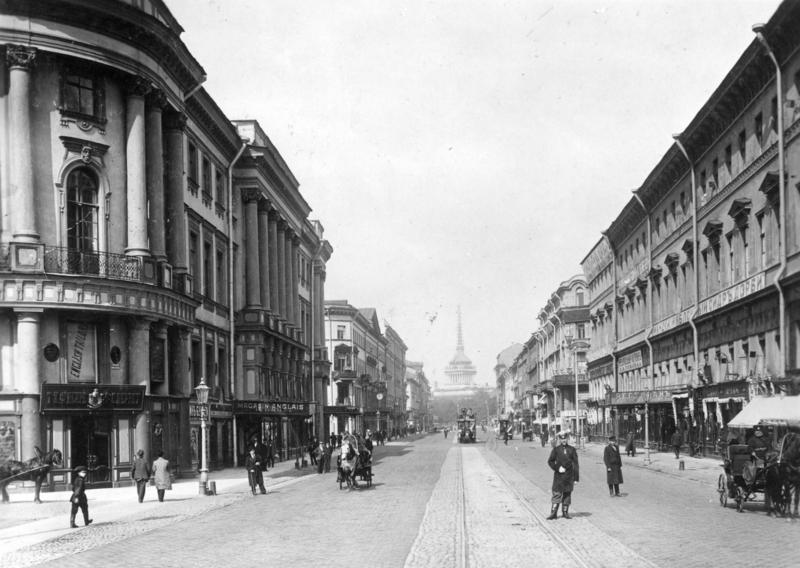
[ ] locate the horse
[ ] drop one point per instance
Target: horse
(348, 463)
(35, 469)
(789, 460)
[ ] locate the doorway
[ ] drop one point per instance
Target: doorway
(90, 446)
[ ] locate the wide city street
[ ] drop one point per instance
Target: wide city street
(434, 503)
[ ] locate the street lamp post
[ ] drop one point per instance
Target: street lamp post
(574, 344)
(202, 399)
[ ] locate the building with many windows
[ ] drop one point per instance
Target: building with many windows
(367, 387)
(141, 234)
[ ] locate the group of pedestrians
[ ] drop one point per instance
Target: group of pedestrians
(563, 461)
(141, 473)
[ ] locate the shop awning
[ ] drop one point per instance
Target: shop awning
(778, 410)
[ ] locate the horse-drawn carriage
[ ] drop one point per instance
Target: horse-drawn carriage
(747, 476)
(354, 461)
(36, 469)
(771, 468)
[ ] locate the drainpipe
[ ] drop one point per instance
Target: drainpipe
(759, 29)
(614, 311)
(231, 314)
(695, 266)
(648, 332)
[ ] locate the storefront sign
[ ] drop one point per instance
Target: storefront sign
(732, 294)
(94, 398)
(348, 410)
(601, 371)
(672, 321)
(630, 361)
(640, 397)
(262, 407)
(730, 389)
(215, 410)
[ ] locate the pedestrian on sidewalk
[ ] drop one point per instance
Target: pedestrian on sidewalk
(161, 475)
(270, 455)
(613, 462)
(78, 498)
(564, 463)
(319, 452)
(261, 453)
(630, 446)
(676, 441)
(328, 454)
(254, 476)
(140, 472)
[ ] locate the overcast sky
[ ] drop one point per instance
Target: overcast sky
(465, 152)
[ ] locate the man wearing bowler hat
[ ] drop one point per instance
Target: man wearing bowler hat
(78, 498)
(564, 463)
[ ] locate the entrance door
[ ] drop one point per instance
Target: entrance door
(90, 444)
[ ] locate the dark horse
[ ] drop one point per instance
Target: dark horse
(35, 469)
(789, 461)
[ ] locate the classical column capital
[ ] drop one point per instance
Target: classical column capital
(251, 194)
(20, 56)
(265, 206)
(137, 86)
(156, 99)
(174, 121)
(282, 224)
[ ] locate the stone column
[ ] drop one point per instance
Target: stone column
(20, 61)
(294, 287)
(273, 263)
(263, 253)
(281, 238)
(27, 381)
(181, 383)
(156, 101)
(318, 313)
(175, 224)
(139, 374)
(136, 168)
(252, 264)
(287, 280)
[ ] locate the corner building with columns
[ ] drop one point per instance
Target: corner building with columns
(127, 245)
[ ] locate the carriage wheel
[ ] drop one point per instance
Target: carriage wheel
(722, 489)
(368, 475)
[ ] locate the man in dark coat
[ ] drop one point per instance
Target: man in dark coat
(140, 472)
(262, 453)
(613, 463)
(78, 498)
(254, 475)
(564, 463)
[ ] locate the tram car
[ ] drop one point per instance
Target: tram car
(466, 426)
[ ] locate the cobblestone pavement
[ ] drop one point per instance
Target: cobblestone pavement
(434, 503)
(668, 516)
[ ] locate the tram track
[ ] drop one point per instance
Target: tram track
(570, 544)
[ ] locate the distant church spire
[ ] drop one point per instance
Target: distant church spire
(460, 339)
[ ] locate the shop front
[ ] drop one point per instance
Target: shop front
(341, 419)
(286, 426)
(643, 413)
(93, 425)
(219, 435)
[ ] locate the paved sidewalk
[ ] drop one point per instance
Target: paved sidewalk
(25, 524)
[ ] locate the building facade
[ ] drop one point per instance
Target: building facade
(122, 249)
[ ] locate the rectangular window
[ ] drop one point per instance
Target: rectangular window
(731, 260)
(742, 148)
(82, 95)
(339, 332)
(729, 161)
(773, 115)
(759, 129)
(194, 256)
(222, 368)
(211, 366)
(746, 245)
(221, 268)
(191, 172)
(197, 363)
(703, 188)
(762, 241)
(715, 174)
(221, 187)
(206, 176)
(208, 271)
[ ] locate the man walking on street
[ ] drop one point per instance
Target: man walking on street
(613, 462)
(254, 475)
(564, 463)
(140, 472)
(78, 498)
(676, 440)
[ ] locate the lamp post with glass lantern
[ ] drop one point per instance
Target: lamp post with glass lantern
(201, 391)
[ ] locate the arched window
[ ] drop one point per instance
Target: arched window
(82, 210)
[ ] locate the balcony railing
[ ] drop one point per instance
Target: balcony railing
(60, 260)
